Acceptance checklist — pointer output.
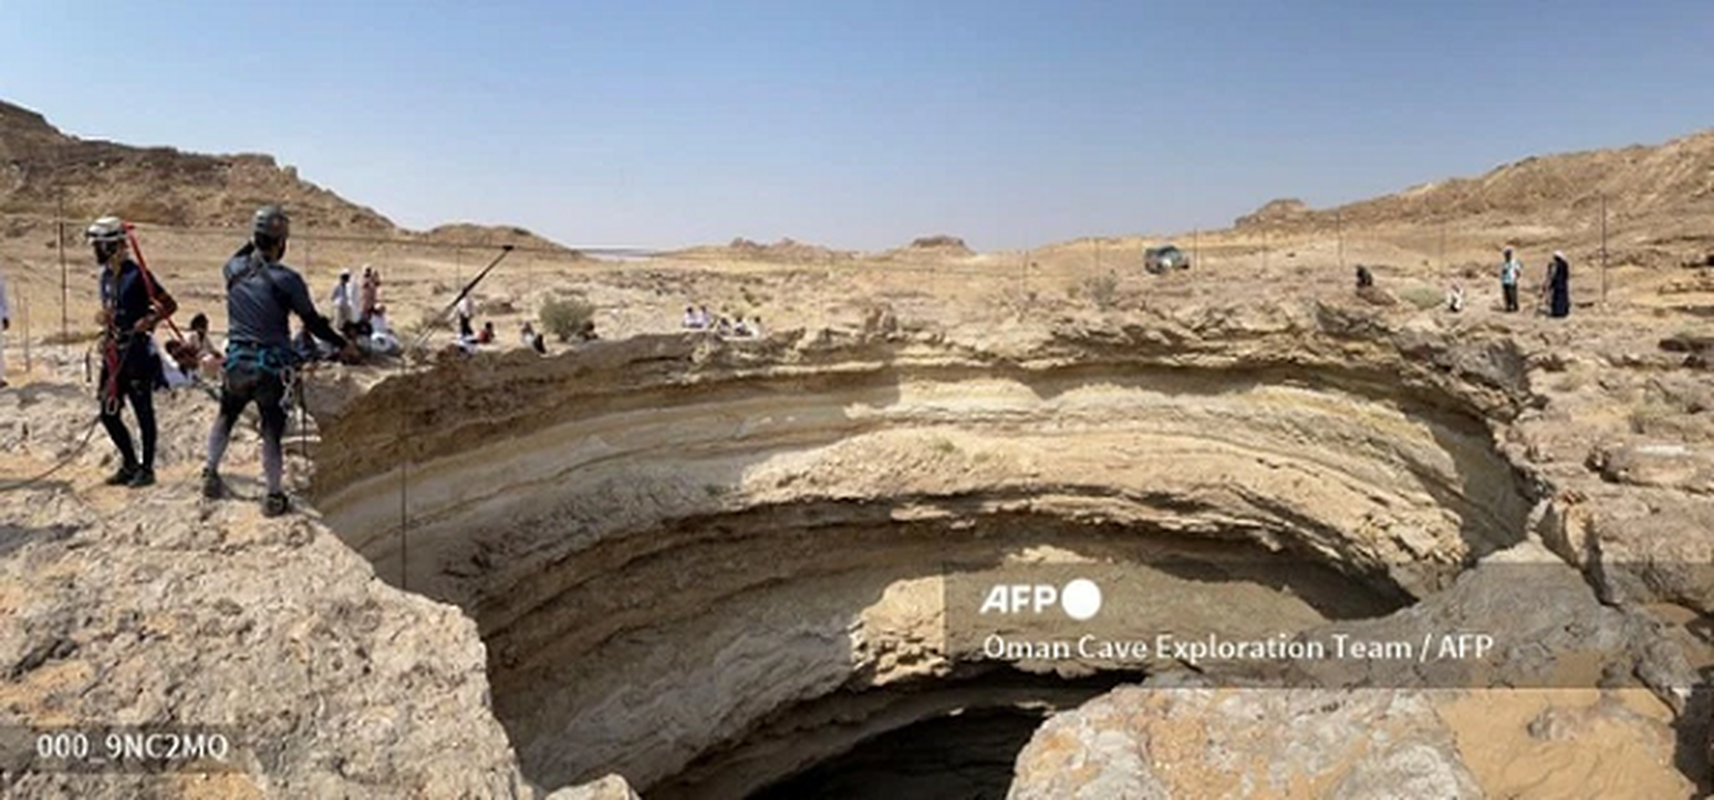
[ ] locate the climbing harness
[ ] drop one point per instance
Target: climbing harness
(149, 278)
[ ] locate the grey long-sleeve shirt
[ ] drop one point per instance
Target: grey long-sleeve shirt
(259, 298)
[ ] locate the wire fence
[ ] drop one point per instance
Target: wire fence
(40, 303)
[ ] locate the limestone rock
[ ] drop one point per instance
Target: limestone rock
(173, 612)
(1549, 629)
(1138, 742)
(1661, 464)
(611, 787)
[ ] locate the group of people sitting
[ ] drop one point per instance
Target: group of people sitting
(697, 318)
(470, 339)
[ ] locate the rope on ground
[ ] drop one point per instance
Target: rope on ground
(109, 403)
(26, 483)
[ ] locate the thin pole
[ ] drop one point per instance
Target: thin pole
(65, 279)
(404, 489)
(1603, 251)
(24, 308)
(1024, 274)
(404, 515)
(1339, 225)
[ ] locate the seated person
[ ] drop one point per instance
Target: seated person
(586, 333)
(381, 336)
(1455, 298)
(486, 335)
(207, 359)
(691, 319)
(172, 374)
(532, 339)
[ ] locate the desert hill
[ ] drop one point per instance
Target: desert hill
(939, 245)
(166, 186)
(1673, 178)
(158, 185)
(785, 250)
(473, 235)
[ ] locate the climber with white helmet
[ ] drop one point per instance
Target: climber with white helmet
(132, 304)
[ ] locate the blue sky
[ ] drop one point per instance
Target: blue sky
(863, 124)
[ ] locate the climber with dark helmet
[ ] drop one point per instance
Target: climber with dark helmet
(132, 304)
(261, 293)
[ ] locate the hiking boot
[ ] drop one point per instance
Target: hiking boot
(276, 504)
(124, 476)
(212, 487)
(143, 477)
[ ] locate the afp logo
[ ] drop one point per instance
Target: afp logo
(1080, 599)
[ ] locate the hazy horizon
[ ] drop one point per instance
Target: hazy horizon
(1009, 124)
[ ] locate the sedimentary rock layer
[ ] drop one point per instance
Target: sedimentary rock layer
(667, 540)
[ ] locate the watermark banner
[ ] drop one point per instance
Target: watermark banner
(1298, 624)
(98, 749)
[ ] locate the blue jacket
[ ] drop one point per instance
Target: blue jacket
(128, 294)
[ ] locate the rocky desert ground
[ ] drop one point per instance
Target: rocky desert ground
(684, 565)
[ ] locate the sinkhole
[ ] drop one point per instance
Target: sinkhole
(746, 587)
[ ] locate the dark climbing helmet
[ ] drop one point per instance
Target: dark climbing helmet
(271, 227)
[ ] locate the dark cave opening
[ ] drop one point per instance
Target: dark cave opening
(960, 756)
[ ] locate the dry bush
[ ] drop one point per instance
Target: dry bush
(1101, 290)
(564, 317)
(499, 306)
(1423, 297)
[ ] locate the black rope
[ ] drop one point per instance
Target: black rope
(26, 483)
(88, 432)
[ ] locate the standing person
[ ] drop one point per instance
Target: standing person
(344, 301)
(1559, 286)
(260, 294)
(1510, 269)
(466, 310)
(132, 304)
(369, 295)
(5, 325)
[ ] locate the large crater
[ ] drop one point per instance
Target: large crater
(719, 569)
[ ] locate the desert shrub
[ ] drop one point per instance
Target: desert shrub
(1655, 416)
(1102, 290)
(563, 317)
(1569, 382)
(497, 307)
(1423, 297)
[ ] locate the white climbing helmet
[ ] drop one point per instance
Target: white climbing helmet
(106, 229)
